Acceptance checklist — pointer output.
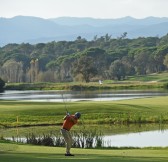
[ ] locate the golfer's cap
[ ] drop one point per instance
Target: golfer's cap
(78, 115)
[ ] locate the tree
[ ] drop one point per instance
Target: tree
(124, 35)
(13, 71)
(117, 70)
(160, 56)
(165, 62)
(34, 70)
(99, 59)
(65, 70)
(127, 62)
(107, 37)
(164, 40)
(145, 55)
(144, 61)
(95, 38)
(2, 84)
(85, 67)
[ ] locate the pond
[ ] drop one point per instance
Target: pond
(70, 96)
(156, 138)
(147, 135)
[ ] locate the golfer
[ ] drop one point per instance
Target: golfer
(69, 121)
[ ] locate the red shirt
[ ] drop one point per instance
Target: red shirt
(69, 121)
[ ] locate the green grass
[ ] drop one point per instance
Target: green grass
(36, 113)
(27, 153)
(126, 84)
(156, 80)
(147, 110)
(156, 77)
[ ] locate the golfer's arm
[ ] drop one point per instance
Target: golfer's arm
(65, 117)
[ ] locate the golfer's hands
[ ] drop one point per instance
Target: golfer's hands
(68, 114)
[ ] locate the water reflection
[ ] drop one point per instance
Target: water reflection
(58, 96)
(146, 135)
(142, 139)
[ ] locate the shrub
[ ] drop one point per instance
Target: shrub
(81, 139)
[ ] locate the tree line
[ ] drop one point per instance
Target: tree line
(102, 58)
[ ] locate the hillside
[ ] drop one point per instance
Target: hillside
(27, 29)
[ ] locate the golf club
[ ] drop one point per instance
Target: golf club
(65, 104)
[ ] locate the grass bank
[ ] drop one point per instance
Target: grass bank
(26, 153)
(151, 81)
(87, 86)
(147, 110)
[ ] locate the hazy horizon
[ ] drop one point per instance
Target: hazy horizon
(84, 17)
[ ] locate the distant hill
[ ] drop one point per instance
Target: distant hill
(74, 21)
(35, 30)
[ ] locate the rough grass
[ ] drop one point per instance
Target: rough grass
(147, 110)
(26, 153)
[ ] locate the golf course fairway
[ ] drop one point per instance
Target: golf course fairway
(10, 152)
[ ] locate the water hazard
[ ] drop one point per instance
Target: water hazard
(59, 96)
(155, 138)
(112, 136)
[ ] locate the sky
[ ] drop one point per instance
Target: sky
(109, 9)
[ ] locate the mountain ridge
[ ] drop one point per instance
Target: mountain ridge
(29, 29)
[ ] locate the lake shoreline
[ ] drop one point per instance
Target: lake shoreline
(110, 136)
(86, 86)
